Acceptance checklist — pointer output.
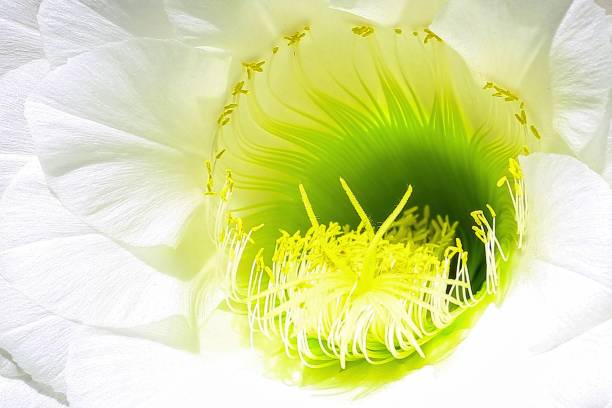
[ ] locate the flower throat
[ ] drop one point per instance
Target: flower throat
(369, 280)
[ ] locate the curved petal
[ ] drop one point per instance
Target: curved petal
(15, 86)
(123, 145)
(563, 283)
(121, 372)
(607, 171)
(413, 14)
(245, 27)
(18, 394)
(9, 166)
(62, 264)
(570, 215)
(577, 374)
(71, 27)
(8, 369)
(581, 78)
(37, 340)
(555, 55)
(16, 144)
(386, 12)
(20, 40)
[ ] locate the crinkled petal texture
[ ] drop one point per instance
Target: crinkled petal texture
(71, 27)
(16, 145)
(126, 152)
(18, 394)
(62, 264)
(36, 339)
(556, 55)
(20, 40)
(21, 69)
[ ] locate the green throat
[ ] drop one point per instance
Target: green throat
(373, 203)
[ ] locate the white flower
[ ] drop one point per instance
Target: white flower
(109, 111)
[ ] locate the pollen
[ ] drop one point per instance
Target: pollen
(253, 67)
(335, 294)
(430, 35)
(363, 30)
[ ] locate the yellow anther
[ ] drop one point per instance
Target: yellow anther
(239, 89)
(502, 181)
(506, 94)
(397, 30)
(430, 36)
(257, 228)
(228, 187)
(224, 118)
(477, 215)
(415, 33)
(535, 132)
(295, 38)
(308, 206)
(491, 210)
(522, 117)
(526, 149)
(458, 244)
(209, 177)
(515, 168)
(252, 67)
(480, 234)
(220, 154)
(275, 50)
(362, 214)
(363, 30)
(307, 27)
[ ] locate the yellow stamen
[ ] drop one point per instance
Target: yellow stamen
(363, 30)
(362, 214)
(311, 215)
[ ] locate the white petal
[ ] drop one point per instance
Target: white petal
(121, 372)
(606, 4)
(124, 144)
(410, 14)
(499, 38)
(16, 144)
(9, 166)
(554, 59)
(18, 394)
(15, 86)
(245, 27)
(386, 12)
(607, 170)
(581, 57)
(549, 305)
(61, 263)
(577, 374)
(8, 369)
(563, 283)
(570, 215)
(37, 340)
(20, 41)
(71, 27)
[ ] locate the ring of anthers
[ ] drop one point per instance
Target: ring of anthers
(335, 294)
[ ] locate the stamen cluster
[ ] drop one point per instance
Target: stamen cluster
(337, 294)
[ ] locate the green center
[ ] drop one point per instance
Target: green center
(382, 109)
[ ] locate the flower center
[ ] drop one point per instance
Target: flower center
(369, 281)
